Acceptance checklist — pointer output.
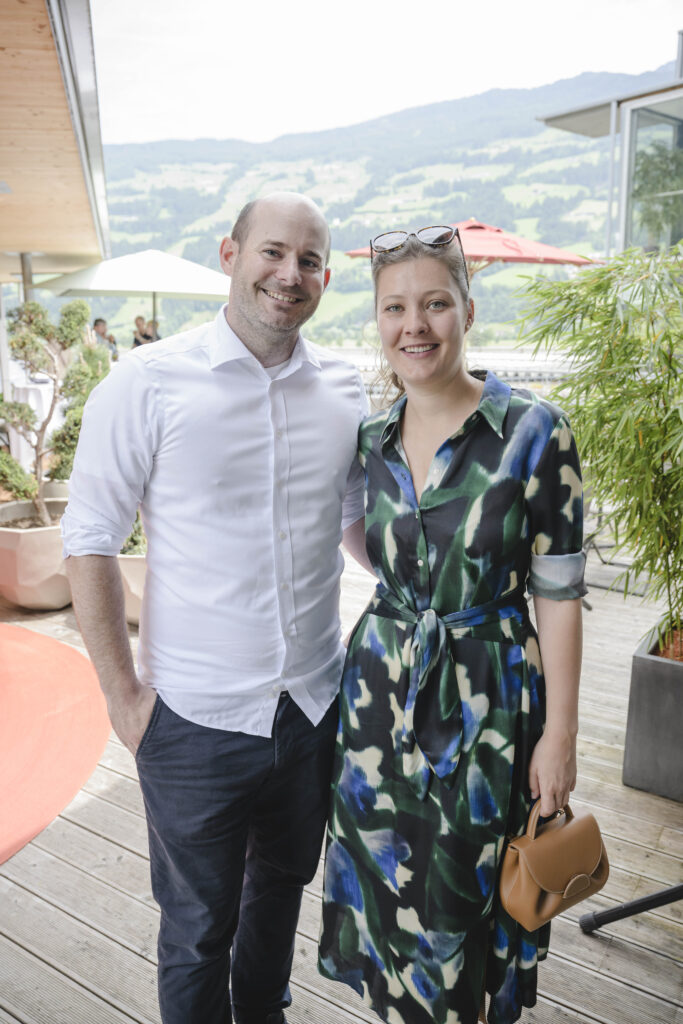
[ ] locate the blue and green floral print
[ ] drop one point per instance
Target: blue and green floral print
(442, 702)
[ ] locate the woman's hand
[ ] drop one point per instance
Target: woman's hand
(552, 770)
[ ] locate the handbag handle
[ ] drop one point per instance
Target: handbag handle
(535, 814)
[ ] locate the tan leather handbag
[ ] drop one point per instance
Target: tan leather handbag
(552, 867)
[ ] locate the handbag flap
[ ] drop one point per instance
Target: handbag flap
(563, 848)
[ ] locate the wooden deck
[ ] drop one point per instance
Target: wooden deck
(78, 924)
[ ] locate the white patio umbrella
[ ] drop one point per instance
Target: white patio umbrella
(150, 272)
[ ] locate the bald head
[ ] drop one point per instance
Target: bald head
(293, 203)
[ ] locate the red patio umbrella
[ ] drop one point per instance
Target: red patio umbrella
(484, 244)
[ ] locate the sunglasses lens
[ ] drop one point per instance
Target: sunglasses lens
(438, 234)
(389, 240)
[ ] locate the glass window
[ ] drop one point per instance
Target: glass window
(654, 216)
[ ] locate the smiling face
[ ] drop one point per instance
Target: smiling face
(422, 319)
(278, 274)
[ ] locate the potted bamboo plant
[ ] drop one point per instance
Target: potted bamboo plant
(621, 324)
(31, 566)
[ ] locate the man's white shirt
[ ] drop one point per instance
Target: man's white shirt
(244, 483)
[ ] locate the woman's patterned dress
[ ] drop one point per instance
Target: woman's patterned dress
(442, 701)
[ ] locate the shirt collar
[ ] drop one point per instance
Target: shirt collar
(225, 346)
(493, 406)
(494, 402)
(393, 417)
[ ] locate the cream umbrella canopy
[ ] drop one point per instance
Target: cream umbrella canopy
(150, 272)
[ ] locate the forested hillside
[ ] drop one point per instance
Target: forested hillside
(485, 156)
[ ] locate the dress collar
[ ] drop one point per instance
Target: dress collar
(493, 406)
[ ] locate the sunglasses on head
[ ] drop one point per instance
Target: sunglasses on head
(435, 234)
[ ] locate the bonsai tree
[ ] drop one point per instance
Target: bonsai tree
(42, 349)
(136, 542)
(82, 376)
(91, 366)
(622, 326)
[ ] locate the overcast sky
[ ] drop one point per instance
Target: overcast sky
(256, 69)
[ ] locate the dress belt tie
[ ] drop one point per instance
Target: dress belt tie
(433, 677)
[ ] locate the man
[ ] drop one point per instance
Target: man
(102, 338)
(238, 440)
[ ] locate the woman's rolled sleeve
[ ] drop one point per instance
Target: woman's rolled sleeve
(554, 501)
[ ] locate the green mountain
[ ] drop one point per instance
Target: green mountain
(484, 156)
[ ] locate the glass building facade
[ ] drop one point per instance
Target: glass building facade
(652, 173)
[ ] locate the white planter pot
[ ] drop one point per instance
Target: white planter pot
(56, 489)
(133, 568)
(32, 573)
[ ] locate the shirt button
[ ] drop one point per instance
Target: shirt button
(278, 433)
(282, 535)
(284, 586)
(420, 562)
(275, 690)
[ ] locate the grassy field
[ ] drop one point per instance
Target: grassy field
(528, 194)
(495, 183)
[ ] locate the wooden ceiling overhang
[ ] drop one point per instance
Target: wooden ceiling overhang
(52, 184)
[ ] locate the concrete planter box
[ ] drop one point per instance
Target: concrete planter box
(653, 751)
(133, 568)
(32, 573)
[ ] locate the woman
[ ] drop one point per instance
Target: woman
(141, 334)
(473, 493)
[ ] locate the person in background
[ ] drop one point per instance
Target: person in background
(239, 444)
(102, 337)
(454, 711)
(153, 330)
(141, 335)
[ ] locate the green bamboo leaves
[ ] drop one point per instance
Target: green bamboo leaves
(622, 326)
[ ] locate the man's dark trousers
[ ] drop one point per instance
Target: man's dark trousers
(235, 830)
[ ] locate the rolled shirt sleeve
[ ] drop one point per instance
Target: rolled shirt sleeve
(554, 500)
(114, 459)
(353, 507)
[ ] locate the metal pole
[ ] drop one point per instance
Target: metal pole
(679, 58)
(614, 106)
(154, 311)
(589, 922)
(5, 386)
(27, 276)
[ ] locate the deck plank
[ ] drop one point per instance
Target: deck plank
(116, 789)
(36, 993)
(98, 856)
(89, 901)
(119, 759)
(93, 961)
(122, 826)
(5, 1017)
(647, 931)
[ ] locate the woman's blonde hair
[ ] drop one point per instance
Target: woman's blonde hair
(390, 384)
